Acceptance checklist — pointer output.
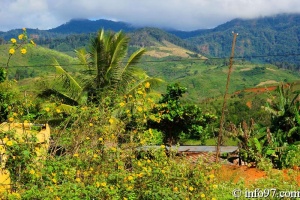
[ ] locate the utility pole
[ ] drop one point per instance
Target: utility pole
(220, 136)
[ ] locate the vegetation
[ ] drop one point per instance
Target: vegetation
(105, 116)
(177, 121)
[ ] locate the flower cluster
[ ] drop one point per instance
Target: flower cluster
(20, 44)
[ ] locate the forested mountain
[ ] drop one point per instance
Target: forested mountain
(277, 35)
(258, 38)
(89, 26)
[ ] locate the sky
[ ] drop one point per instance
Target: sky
(177, 14)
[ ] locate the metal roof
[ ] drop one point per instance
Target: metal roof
(195, 149)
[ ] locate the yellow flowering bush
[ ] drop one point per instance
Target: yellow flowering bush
(90, 160)
(20, 44)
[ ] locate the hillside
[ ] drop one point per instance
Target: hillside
(277, 35)
(258, 38)
(89, 26)
(36, 62)
(207, 78)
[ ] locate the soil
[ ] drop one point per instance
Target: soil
(238, 173)
(252, 174)
(235, 173)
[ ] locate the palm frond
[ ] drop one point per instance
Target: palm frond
(132, 61)
(68, 82)
(83, 57)
(117, 52)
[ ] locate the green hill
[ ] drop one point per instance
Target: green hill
(36, 62)
(207, 79)
(276, 35)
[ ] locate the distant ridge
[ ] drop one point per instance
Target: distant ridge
(264, 36)
(87, 26)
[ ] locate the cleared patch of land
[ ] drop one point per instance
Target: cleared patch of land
(269, 82)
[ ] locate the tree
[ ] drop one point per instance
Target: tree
(107, 72)
(285, 117)
(174, 119)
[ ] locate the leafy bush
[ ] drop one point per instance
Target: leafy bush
(174, 119)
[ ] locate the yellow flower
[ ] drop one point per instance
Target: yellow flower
(21, 36)
(129, 188)
(191, 188)
(100, 139)
(15, 114)
(122, 104)
(47, 109)
(9, 143)
(58, 110)
(103, 184)
(13, 40)
(76, 155)
(32, 172)
(11, 51)
(139, 92)
(111, 121)
(97, 184)
(213, 198)
(175, 189)
(95, 155)
(11, 119)
(147, 85)
(23, 51)
(5, 139)
(54, 180)
(140, 175)
(130, 178)
(215, 186)
(87, 138)
(211, 176)
(16, 195)
(2, 149)
(202, 195)
(91, 124)
(113, 149)
(140, 109)
(77, 180)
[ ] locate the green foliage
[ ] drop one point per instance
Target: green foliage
(255, 71)
(285, 120)
(9, 95)
(2, 74)
(175, 120)
(21, 156)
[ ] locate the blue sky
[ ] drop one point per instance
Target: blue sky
(177, 14)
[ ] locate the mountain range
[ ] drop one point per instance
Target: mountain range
(272, 39)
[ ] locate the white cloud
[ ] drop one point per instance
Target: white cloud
(179, 14)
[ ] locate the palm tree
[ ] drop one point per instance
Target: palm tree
(106, 65)
(107, 70)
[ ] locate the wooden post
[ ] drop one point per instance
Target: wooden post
(220, 136)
